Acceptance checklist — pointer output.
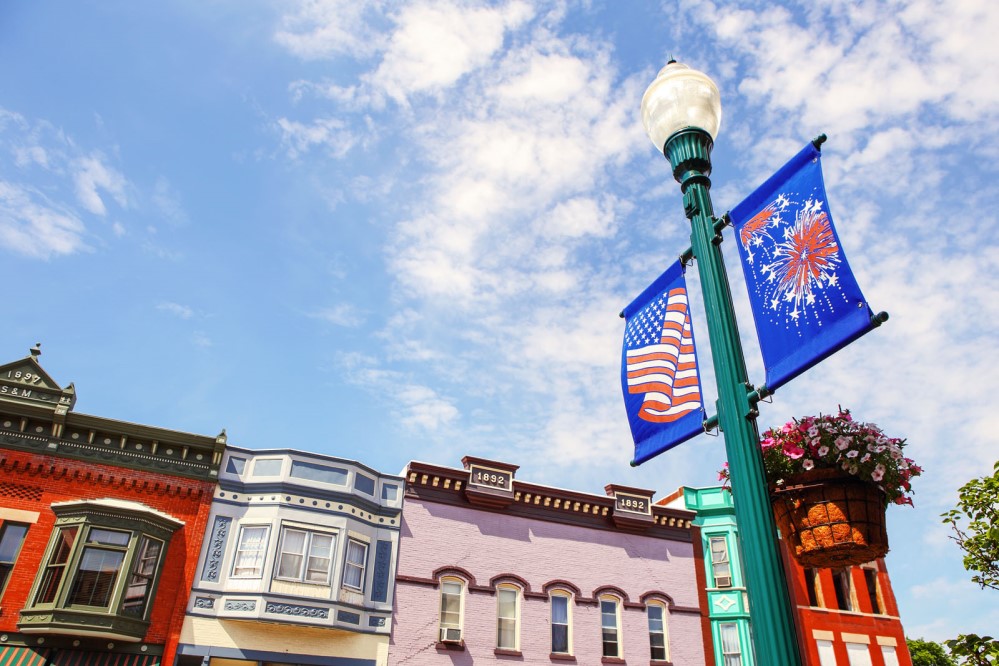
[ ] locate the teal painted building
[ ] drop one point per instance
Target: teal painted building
(728, 606)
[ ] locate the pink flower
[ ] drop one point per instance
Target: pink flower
(843, 442)
(852, 454)
(793, 451)
(823, 450)
(878, 473)
(807, 464)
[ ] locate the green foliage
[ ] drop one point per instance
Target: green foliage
(975, 522)
(975, 650)
(928, 653)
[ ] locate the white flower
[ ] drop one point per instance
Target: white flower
(823, 450)
(807, 464)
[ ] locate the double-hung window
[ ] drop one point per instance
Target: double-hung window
(658, 632)
(843, 584)
(507, 616)
(353, 566)
(250, 550)
(720, 568)
(452, 595)
(561, 638)
(610, 624)
(11, 538)
(731, 650)
(100, 569)
(305, 555)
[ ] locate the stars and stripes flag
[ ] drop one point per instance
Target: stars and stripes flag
(662, 390)
(805, 301)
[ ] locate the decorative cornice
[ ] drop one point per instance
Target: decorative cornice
(71, 473)
(447, 485)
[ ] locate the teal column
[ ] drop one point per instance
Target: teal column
(689, 152)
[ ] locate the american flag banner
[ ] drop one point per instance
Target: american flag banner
(662, 390)
(805, 301)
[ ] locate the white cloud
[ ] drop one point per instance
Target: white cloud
(176, 309)
(436, 43)
(91, 175)
(342, 314)
(166, 200)
(332, 134)
(35, 227)
(326, 28)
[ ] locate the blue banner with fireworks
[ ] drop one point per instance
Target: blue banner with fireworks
(662, 389)
(805, 301)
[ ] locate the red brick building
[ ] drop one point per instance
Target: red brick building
(101, 525)
(847, 616)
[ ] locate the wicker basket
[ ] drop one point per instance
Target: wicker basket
(830, 519)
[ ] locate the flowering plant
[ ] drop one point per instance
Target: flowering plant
(838, 442)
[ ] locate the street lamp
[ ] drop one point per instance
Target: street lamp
(681, 111)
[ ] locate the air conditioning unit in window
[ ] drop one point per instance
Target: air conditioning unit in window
(450, 635)
(723, 581)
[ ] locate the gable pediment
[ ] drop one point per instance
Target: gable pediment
(25, 381)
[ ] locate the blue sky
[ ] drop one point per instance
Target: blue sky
(403, 230)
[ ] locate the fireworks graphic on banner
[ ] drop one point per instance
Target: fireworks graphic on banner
(792, 253)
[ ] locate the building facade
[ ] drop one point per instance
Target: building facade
(845, 617)
(726, 589)
(492, 569)
(298, 564)
(101, 523)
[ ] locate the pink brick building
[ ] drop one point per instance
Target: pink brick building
(494, 570)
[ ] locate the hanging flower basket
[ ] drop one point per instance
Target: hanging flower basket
(831, 479)
(831, 519)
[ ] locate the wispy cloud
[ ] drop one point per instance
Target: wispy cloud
(341, 314)
(93, 175)
(32, 225)
(176, 309)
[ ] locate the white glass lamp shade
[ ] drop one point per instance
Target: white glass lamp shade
(679, 98)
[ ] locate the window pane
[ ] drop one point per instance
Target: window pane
(608, 620)
(560, 610)
(108, 537)
(889, 655)
(364, 484)
(560, 638)
(451, 604)
(320, 558)
(827, 654)
(390, 492)
(267, 466)
(657, 632)
(141, 580)
(871, 578)
(235, 465)
(57, 565)
(729, 638)
(353, 571)
(249, 560)
(322, 473)
(95, 577)
(859, 654)
(10, 546)
(842, 583)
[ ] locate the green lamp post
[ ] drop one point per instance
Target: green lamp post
(681, 111)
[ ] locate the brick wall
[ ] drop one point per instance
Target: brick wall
(487, 544)
(33, 482)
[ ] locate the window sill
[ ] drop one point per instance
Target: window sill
(70, 621)
(503, 652)
(660, 662)
(559, 656)
(612, 660)
(454, 646)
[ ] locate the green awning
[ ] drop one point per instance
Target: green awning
(11, 655)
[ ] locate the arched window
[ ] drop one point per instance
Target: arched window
(561, 621)
(610, 624)
(452, 609)
(658, 631)
(508, 617)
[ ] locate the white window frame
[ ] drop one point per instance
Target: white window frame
(664, 631)
(730, 657)
(349, 564)
(256, 572)
(721, 567)
(507, 590)
(446, 590)
(827, 653)
(607, 599)
(302, 575)
(561, 594)
(889, 655)
(859, 654)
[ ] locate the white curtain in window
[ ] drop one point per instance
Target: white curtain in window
(889, 655)
(353, 573)
(560, 624)
(292, 551)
